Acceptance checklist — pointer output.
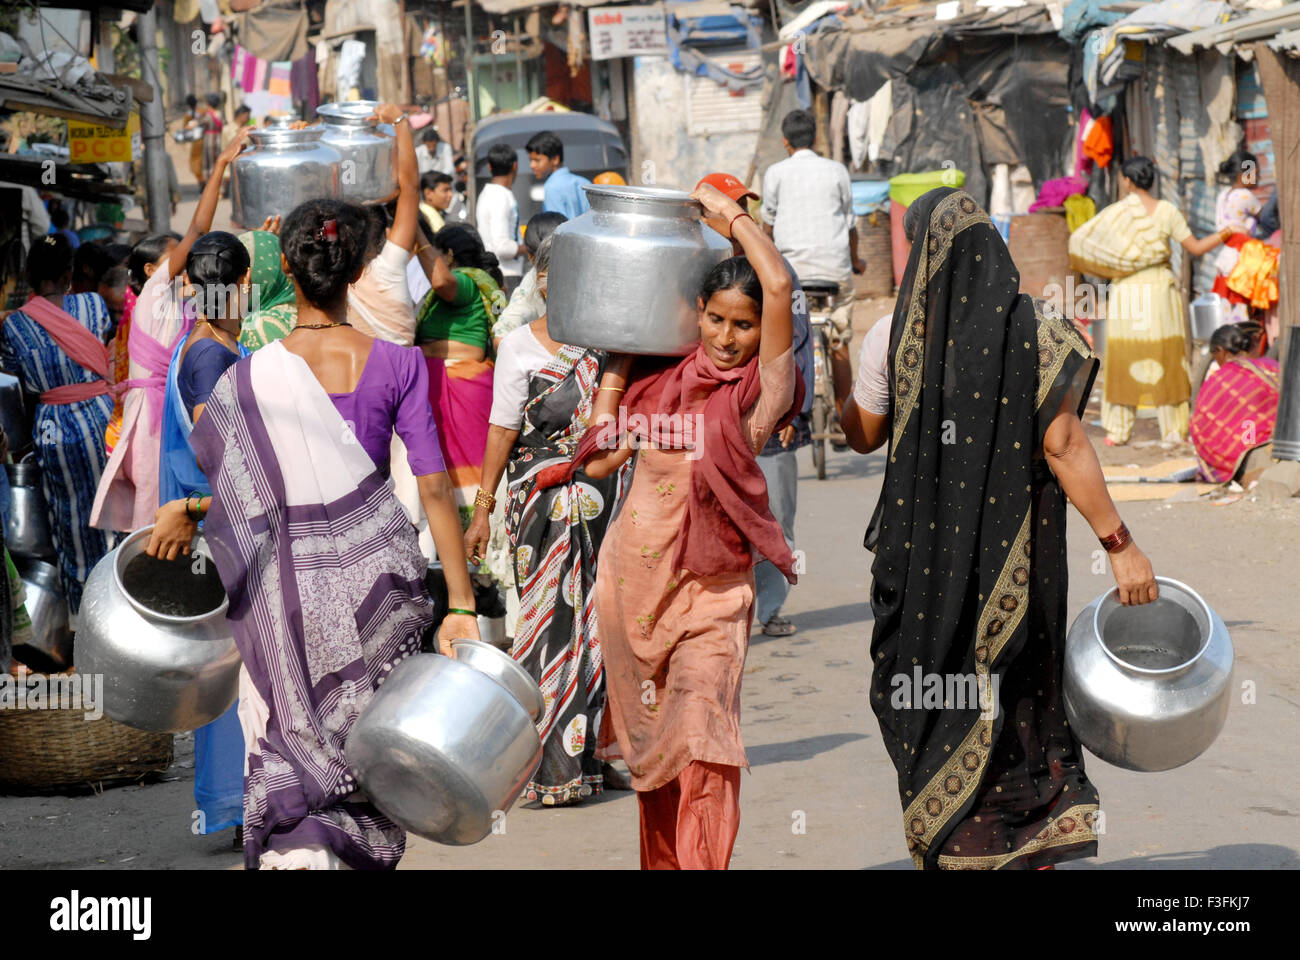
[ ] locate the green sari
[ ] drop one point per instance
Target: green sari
(277, 307)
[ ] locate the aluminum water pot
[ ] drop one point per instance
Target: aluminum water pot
(47, 609)
(443, 749)
(283, 169)
(366, 147)
(626, 274)
(27, 533)
(1147, 687)
(158, 634)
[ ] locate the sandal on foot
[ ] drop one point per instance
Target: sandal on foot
(779, 627)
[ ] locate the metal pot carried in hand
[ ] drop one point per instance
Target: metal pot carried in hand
(626, 275)
(47, 609)
(283, 169)
(27, 532)
(157, 632)
(446, 744)
(1147, 686)
(366, 147)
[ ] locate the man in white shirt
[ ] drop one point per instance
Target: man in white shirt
(497, 214)
(434, 154)
(808, 213)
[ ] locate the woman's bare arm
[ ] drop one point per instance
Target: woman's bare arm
(1196, 247)
(604, 409)
(439, 502)
(500, 441)
(1071, 457)
(207, 207)
(865, 431)
(778, 318)
(403, 231)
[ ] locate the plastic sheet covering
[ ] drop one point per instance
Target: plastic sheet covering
(978, 95)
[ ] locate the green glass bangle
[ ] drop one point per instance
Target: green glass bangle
(466, 613)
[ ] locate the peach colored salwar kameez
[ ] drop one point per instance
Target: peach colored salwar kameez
(675, 647)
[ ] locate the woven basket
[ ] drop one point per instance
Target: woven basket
(875, 247)
(48, 749)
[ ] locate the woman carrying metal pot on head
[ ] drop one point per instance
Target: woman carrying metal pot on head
(976, 390)
(675, 578)
(322, 565)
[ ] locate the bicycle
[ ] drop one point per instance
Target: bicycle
(824, 426)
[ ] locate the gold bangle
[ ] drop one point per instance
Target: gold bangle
(615, 389)
(485, 500)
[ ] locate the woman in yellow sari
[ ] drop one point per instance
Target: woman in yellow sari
(1146, 334)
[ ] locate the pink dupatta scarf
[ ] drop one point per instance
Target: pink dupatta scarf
(127, 497)
(81, 346)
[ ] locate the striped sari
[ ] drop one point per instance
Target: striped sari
(555, 535)
(1236, 412)
(69, 437)
(325, 577)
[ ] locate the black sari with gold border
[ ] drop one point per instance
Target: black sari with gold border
(969, 579)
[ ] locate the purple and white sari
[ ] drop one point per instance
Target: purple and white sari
(325, 579)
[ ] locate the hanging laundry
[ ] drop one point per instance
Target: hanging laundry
(1079, 209)
(1054, 192)
(1255, 275)
(1098, 140)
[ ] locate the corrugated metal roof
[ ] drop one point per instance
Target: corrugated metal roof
(1286, 42)
(1254, 26)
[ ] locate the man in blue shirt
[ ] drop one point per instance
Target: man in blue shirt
(563, 193)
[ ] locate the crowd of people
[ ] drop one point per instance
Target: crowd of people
(345, 394)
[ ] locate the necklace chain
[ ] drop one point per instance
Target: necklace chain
(321, 326)
(216, 329)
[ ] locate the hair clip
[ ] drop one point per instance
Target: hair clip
(50, 239)
(329, 231)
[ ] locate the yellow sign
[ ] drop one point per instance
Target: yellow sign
(92, 143)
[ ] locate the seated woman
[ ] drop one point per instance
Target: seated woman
(455, 332)
(675, 577)
(1236, 409)
(322, 566)
(542, 395)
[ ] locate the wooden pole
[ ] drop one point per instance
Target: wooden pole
(153, 129)
(1280, 77)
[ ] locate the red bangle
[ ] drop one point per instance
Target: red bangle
(732, 224)
(1117, 540)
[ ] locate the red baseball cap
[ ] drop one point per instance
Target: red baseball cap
(729, 185)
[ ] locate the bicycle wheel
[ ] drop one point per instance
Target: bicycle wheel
(820, 424)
